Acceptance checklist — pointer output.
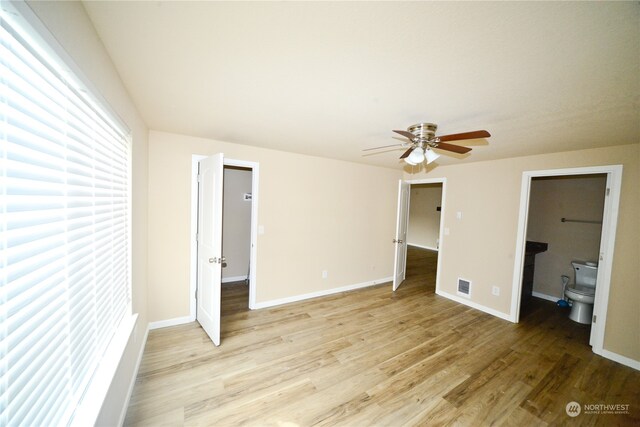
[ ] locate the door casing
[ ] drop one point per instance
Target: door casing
(253, 256)
(607, 242)
(441, 234)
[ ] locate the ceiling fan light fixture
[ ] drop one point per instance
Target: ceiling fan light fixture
(431, 155)
(409, 162)
(416, 156)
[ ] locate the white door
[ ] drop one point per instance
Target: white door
(210, 178)
(400, 264)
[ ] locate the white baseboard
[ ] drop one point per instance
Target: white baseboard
(322, 293)
(475, 305)
(422, 246)
(545, 296)
(132, 384)
(171, 322)
(233, 279)
(627, 361)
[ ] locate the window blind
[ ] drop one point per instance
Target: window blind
(65, 232)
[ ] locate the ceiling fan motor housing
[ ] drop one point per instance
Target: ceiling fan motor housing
(423, 130)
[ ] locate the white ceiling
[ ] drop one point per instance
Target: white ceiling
(332, 78)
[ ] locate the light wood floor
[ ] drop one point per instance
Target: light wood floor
(376, 358)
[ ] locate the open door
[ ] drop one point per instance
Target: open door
(210, 188)
(400, 264)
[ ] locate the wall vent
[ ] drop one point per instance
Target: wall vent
(464, 287)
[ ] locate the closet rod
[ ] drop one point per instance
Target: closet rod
(580, 220)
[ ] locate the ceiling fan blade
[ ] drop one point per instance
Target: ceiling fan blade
(454, 148)
(384, 146)
(405, 134)
(466, 135)
(406, 153)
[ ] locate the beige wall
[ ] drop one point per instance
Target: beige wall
(70, 25)
(318, 214)
(572, 197)
(424, 218)
(481, 245)
(236, 223)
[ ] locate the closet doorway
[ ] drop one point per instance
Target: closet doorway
(236, 238)
(419, 231)
(213, 283)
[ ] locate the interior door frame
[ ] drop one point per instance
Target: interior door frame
(253, 255)
(607, 242)
(441, 233)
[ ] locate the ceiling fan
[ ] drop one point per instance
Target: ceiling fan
(422, 137)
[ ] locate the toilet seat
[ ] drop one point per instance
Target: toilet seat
(587, 291)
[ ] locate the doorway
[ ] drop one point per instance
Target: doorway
(198, 200)
(604, 255)
(236, 238)
(419, 228)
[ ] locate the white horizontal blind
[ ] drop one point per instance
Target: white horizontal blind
(65, 233)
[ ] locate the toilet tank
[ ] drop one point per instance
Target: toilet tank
(586, 273)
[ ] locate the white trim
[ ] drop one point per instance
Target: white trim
(441, 236)
(609, 224)
(88, 411)
(233, 279)
(472, 304)
(170, 322)
(296, 298)
(132, 383)
(545, 296)
(605, 264)
(627, 361)
(422, 247)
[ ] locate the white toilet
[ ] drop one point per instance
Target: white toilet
(583, 292)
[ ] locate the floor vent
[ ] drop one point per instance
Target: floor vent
(464, 287)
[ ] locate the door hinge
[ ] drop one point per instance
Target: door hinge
(594, 318)
(199, 178)
(608, 191)
(197, 237)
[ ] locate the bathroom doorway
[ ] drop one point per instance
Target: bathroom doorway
(565, 212)
(548, 212)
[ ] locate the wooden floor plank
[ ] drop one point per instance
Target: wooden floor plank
(374, 357)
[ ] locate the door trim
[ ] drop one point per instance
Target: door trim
(441, 235)
(608, 236)
(253, 258)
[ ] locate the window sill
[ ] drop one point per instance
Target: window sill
(87, 412)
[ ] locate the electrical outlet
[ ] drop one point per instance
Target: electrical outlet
(325, 274)
(495, 291)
